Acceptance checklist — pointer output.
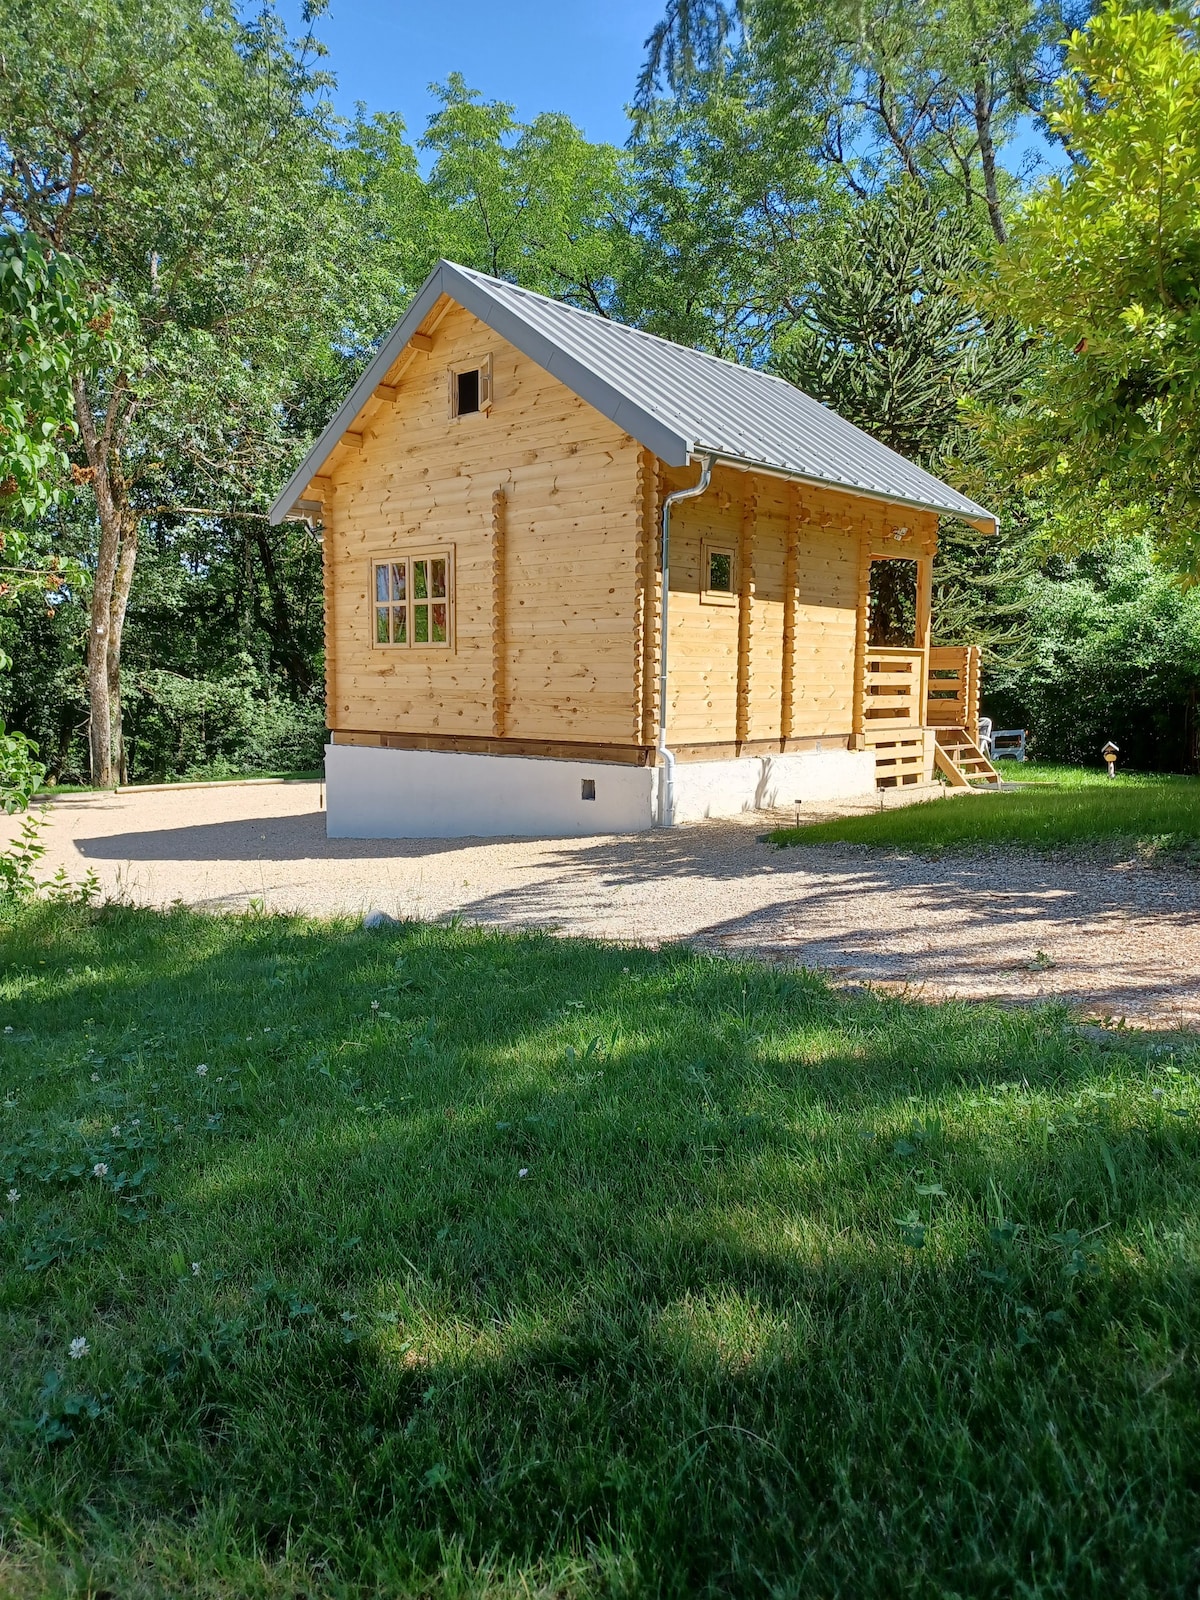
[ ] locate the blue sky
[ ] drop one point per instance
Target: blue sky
(543, 55)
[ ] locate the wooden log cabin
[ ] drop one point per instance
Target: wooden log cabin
(579, 579)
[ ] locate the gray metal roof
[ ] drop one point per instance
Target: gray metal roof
(677, 402)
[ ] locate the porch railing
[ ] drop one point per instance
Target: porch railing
(892, 689)
(953, 696)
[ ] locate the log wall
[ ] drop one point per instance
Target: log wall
(539, 500)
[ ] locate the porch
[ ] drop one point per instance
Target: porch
(918, 711)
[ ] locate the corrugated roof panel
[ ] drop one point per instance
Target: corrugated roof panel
(673, 400)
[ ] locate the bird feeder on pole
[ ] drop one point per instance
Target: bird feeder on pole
(1110, 753)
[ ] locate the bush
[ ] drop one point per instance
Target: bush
(1115, 655)
(179, 727)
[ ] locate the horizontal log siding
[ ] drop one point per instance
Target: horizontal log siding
(830, 529)
(571, 534)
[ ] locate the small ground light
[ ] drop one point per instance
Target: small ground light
(1110, 753)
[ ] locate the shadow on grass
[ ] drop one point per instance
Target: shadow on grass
(795, 1295)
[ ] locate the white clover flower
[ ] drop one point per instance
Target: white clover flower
(115, 1130)
(13, 1196)
(202, 1070)
(8, 1028)
(1158, 1093)
(524, 1172)
(195, 1269)
(95, 1077)
(100, 1170)
(136, 1123)
(78, 1348)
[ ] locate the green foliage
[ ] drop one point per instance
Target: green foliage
(727, 211)
(216, 727)
(1158, 817)
(1112, 652)
(39, 311)
(886, 334)
(21, 773)
(531, 202)
(1104, 270)
(332, 1342)
(879, 90)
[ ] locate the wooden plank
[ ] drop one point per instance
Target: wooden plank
(746, 552)
(650, 592)
(791, 599)
(862, 625)
(499, 647)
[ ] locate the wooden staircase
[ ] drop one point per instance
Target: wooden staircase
(961, 762)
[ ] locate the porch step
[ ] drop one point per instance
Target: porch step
(960, 759)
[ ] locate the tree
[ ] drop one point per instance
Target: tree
(178, 154)
(888, 337)
(1103, 269)
(727, 212)
(890, 88)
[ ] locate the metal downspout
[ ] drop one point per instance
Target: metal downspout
(666, 787)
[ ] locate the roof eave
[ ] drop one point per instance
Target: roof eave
(977, 516)
(446, 279)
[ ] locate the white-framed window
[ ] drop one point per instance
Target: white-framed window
(413, 600)
(471, 388)
(718, 573)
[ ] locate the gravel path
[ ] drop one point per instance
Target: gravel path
(1118, 940)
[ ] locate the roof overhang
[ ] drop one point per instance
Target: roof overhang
(446, 279)
(986, 524)
(668, 443)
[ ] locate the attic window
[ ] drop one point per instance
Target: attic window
(718, 573)
(471, 389)
(467, 398)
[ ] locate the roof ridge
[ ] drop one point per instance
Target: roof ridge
(627, 327)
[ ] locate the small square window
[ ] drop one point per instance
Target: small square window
(718, 573)
(471, 389)
(587, 789)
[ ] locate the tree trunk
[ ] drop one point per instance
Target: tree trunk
(295, 663)
(116, 553)
(987, 157)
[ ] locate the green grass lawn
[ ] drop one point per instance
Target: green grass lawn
(1054, 808)
(431, 1261)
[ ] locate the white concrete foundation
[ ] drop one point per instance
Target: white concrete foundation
(372, 793)
(434, 794)
(770, 783)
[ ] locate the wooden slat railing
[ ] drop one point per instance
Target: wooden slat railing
(953, 697)
(891, 689)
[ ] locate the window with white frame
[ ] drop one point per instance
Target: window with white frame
(414, 600)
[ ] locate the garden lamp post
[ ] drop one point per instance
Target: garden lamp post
(1110, 753)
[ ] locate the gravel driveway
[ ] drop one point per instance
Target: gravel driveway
(1117, 940)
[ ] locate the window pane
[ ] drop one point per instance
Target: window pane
(398, 570)
(720, 571)
(439, 578)
(381, 583)
(420, 624)
(381, 622)
(399, 625)
(440, 628)
(467, 384)
(420, 580)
